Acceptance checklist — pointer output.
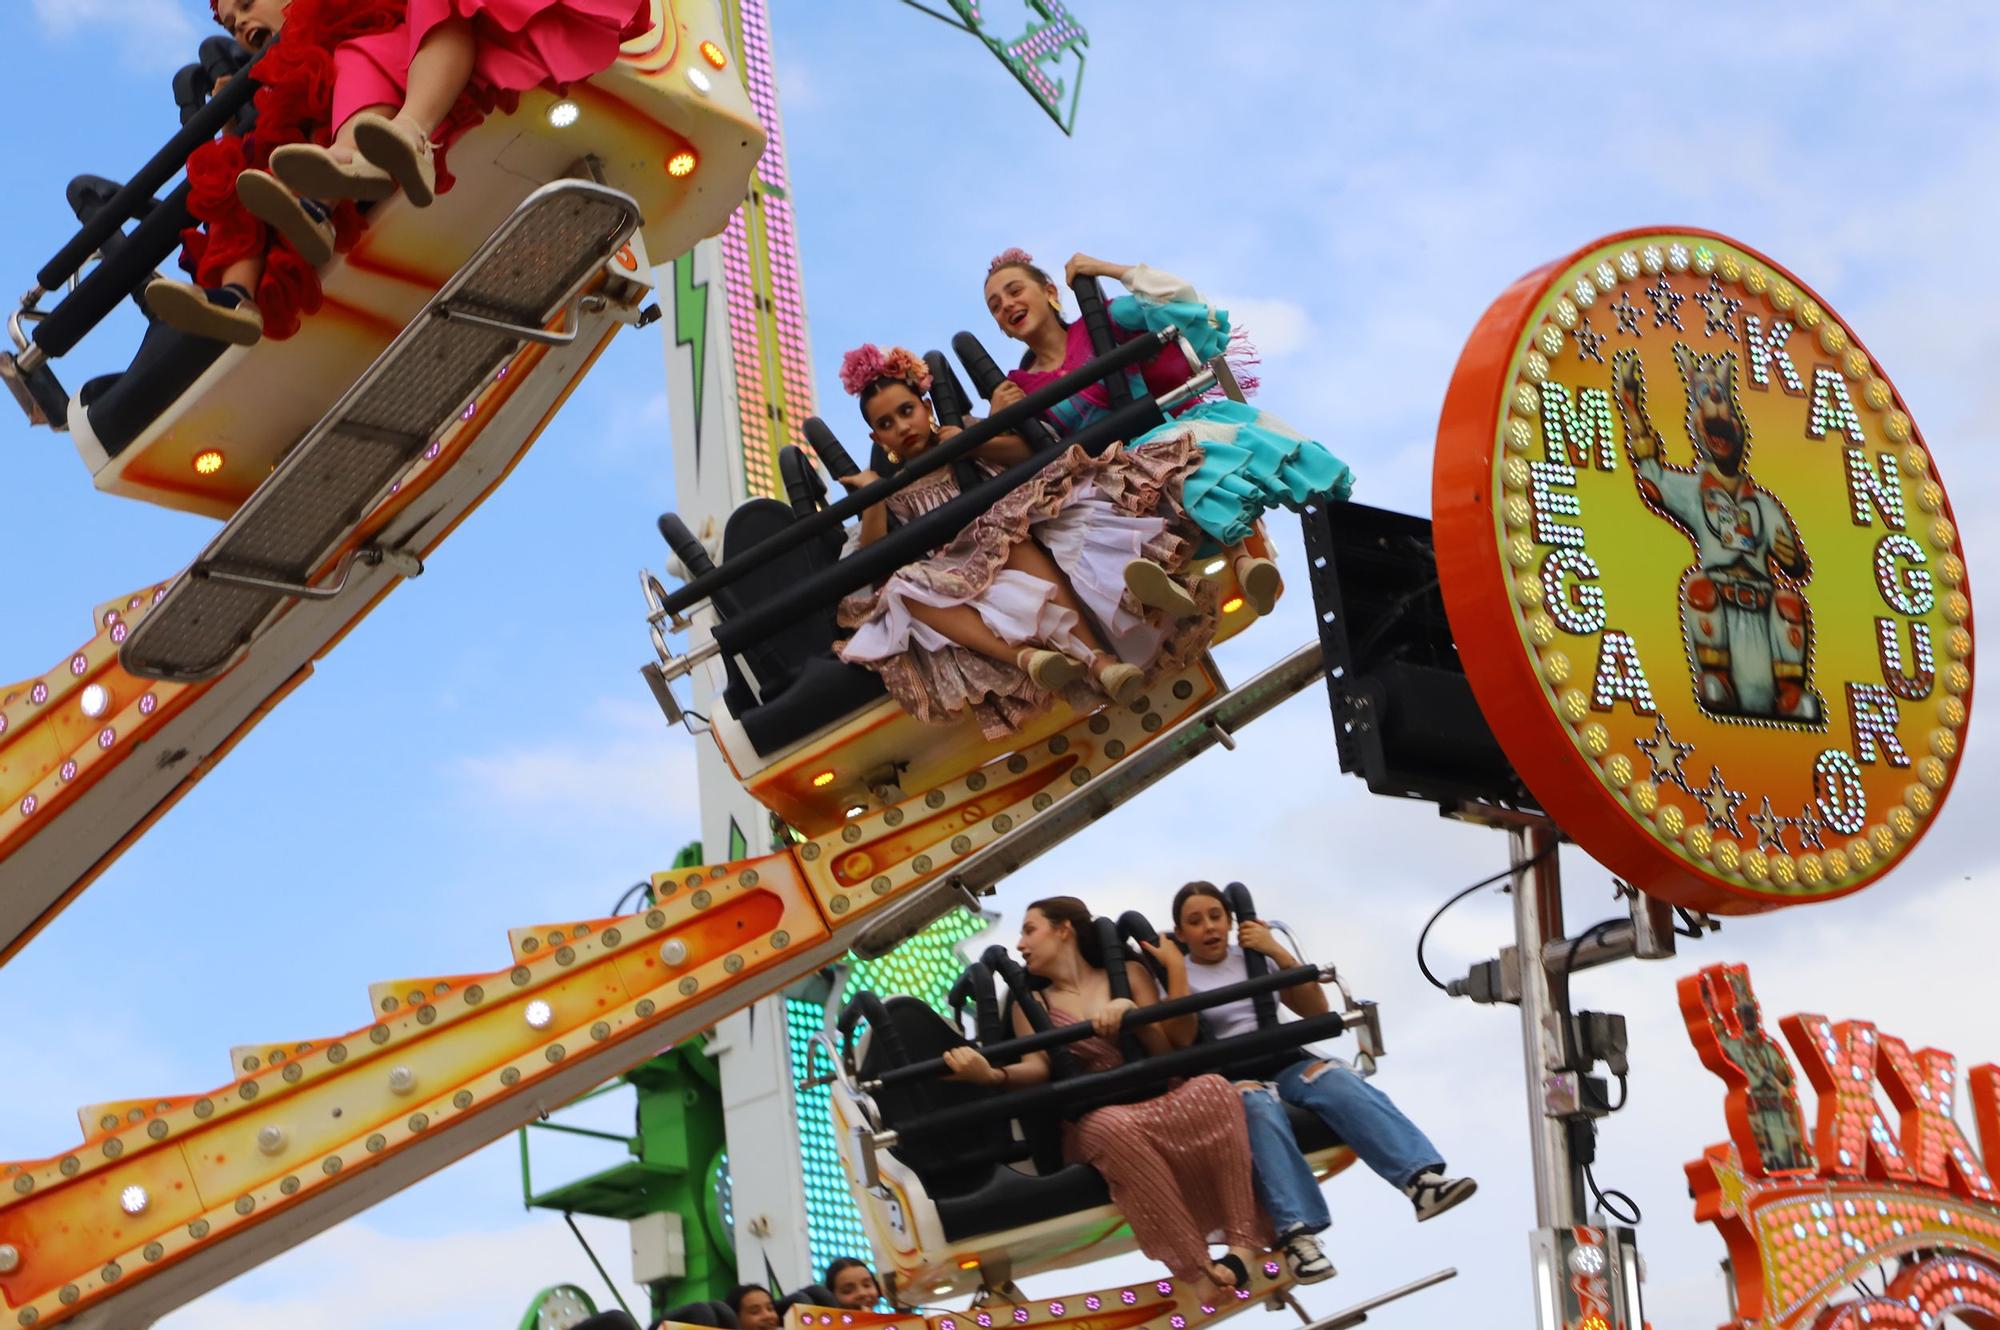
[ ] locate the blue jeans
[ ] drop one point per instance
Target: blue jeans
(1363, 1117)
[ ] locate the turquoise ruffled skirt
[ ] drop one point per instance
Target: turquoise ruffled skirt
(1251, 463)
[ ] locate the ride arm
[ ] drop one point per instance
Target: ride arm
(1306, 999)
(1005, 450)
(968, 1064)
(1167, 1035)
(875, 517)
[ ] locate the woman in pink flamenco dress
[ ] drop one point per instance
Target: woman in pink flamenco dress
(401, 94)
(1178, 1165)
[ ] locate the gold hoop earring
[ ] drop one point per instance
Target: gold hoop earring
(893, 458)
(1055, 303)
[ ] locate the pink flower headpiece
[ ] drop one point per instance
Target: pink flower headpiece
(1010, 257)
(867, 363)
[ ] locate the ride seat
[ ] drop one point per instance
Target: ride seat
(974, 1190)
(1011, 1198)
(807, 1295)
(120, 405)
(717, 1314)
(611, 1320)
(908, 1031)
(801, 686)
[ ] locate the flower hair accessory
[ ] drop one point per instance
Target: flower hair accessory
(1011, 257)
(869, 363)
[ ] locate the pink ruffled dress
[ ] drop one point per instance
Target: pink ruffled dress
(1178, 1166)
(521, 44)
(1093, 515)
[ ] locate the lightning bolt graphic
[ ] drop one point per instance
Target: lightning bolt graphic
(691, 330)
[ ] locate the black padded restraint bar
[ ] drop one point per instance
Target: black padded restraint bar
(1255, 963)
(1097, 323)
(1091, 1089)
(1012, 1049)
(911, 541)
(1000, 422)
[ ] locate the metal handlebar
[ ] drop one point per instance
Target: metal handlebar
(1000, 422)
(1079, 1092)
(1012, 1050)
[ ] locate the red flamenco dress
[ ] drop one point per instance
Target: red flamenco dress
(337, 57)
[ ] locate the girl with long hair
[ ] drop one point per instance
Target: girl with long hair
(1251, 461)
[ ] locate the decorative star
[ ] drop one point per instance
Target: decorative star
(1665, 754)
(1589, 342)
(1770, 827)
(1666, 304)
(1718, 310)
(1812, 827)
(1628, 314)
(1719, 802)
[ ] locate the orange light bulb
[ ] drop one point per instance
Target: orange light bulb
(207, 462)
(714, 54)
(682, 163)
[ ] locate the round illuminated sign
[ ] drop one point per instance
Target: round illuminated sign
(1703, 573)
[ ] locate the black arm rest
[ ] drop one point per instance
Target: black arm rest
(835, 458)
(1097, 322)
(691, 552)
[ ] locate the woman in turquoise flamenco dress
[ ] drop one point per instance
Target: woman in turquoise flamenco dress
(1252, 461)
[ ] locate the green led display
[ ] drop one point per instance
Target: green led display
(926, 966)
(833, 1225)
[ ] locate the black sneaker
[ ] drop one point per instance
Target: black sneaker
(1433, 1193)
(1305, 1258)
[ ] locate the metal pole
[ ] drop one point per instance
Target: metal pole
(1538, 920)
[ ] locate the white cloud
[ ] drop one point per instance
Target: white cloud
(626, 763)
(150, 34)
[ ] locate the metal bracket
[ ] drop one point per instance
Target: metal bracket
(1349, 1317)
(663, 693)
(400, 562)
(16, 379)
(1226, 377)
(572, 321)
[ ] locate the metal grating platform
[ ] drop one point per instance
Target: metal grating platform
(529, 271)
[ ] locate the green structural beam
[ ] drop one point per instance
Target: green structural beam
(676, 1166)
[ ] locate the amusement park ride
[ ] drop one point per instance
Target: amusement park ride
(1741, 688)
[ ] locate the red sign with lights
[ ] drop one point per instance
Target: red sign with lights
(1810, 1208)
(1703, 573)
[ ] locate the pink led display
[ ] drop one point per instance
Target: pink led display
(766, 299)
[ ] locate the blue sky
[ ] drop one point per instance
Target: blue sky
(1358, 183)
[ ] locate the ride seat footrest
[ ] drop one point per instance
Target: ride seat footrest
(530, 269)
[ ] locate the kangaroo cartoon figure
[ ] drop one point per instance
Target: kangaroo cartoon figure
(1743, 611)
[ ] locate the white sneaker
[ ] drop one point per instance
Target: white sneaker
(1433, 1193)
(1305, 1258)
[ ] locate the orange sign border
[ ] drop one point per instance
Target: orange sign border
(1474, 582)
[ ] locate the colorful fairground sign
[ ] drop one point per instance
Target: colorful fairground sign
(1047, 57)
(1703, 573)
(1811, 1212)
